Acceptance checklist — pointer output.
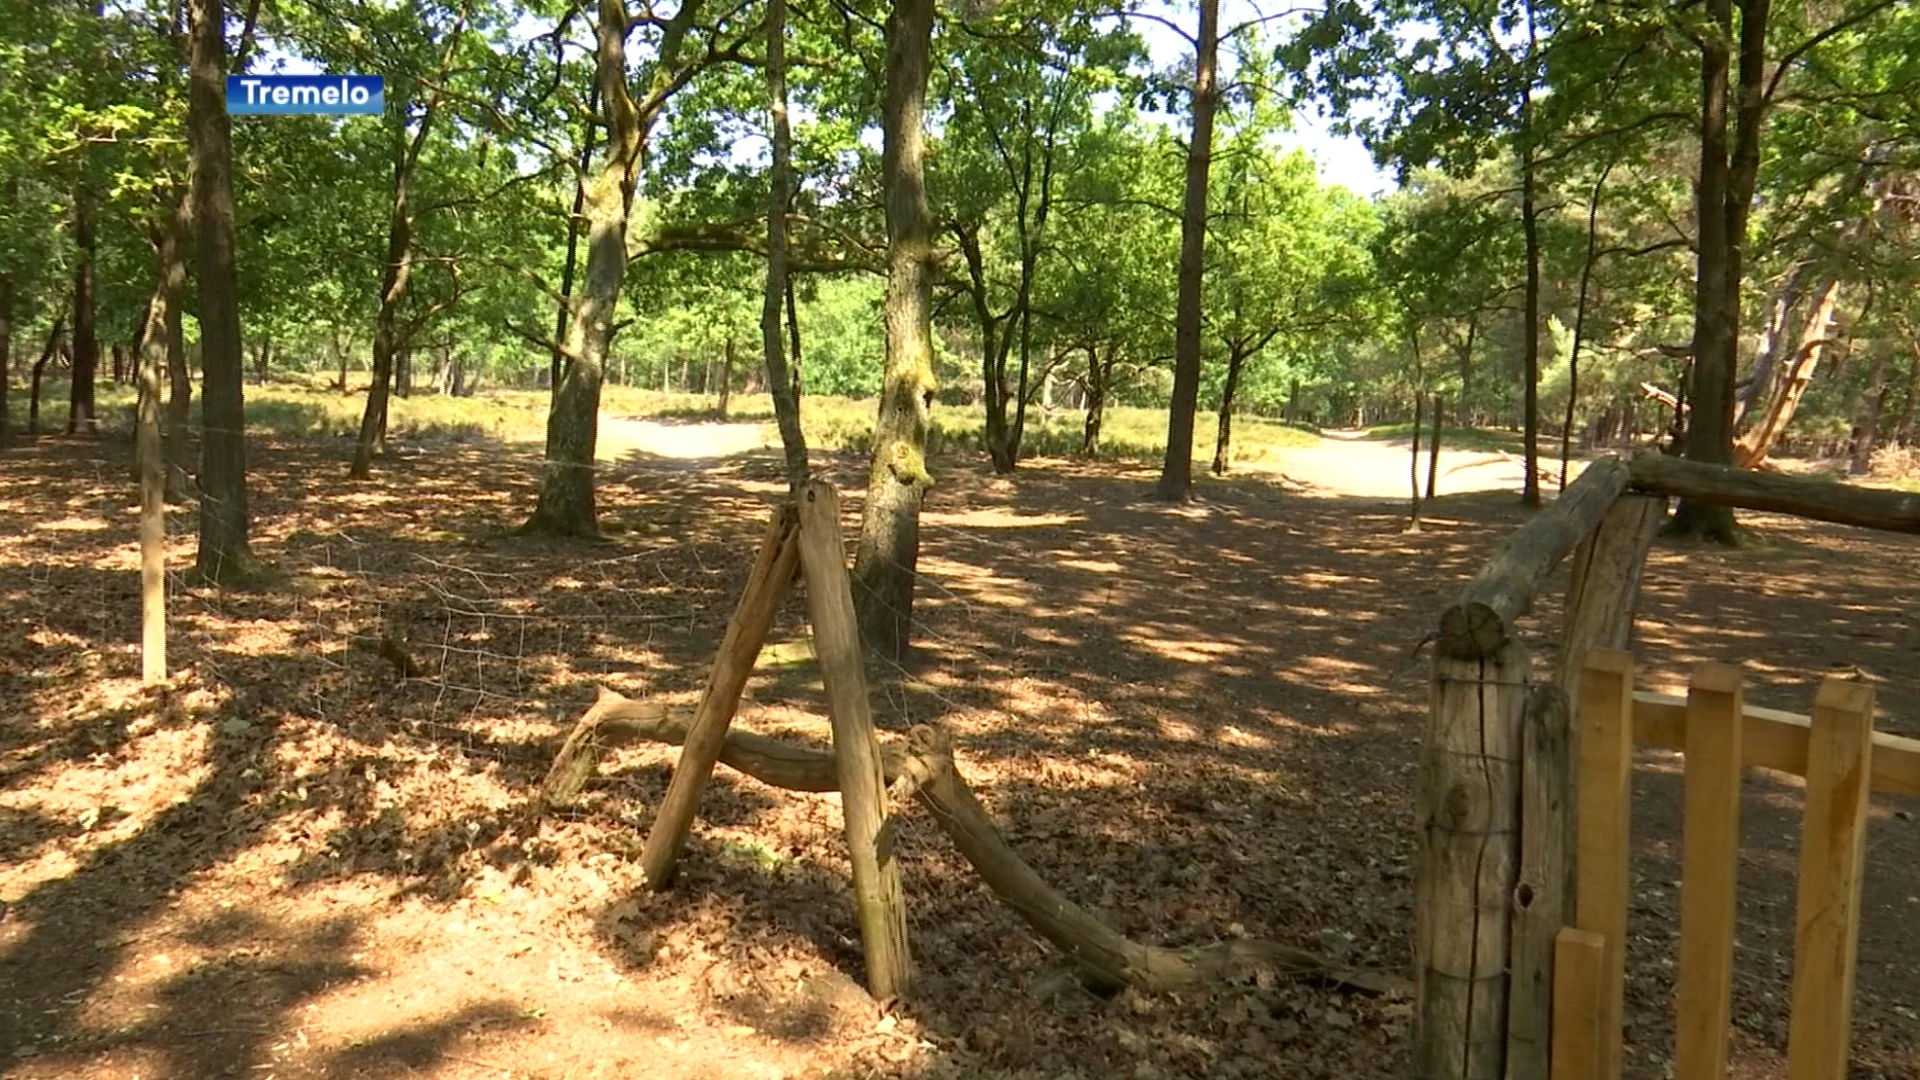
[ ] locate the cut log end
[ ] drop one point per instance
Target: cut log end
(1471, 631)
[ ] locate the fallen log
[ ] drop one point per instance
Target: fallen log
(1480, 623)
(1822, 500)
(925, 767)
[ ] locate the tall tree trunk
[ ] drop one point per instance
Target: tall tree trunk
(160, 329)
(566, 503)
(1580, 321)
(1530, 333)
(573, 237)
(1096, 399)
(150, 452)
(1866, 430)
(1729, 165)
(726, 379)
(86, 343)
(793, 348)
(179, 380)
(342, 350)
(783, 387)
(898, 479)
(39, 368)
(386, 324)
(1433, 447)
(1814, 338)
(1773, 342)
(223, 555)
(1223, 439)
(994, 348)
(1464, 416)
(1413, 519)
(1176, 474)
(6, 351)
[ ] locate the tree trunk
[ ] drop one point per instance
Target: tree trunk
(783, 387)
(1866, 429)
(1723, 197)
(1433, 447)
(86, 344)
(1773, 342)
(591, 128)
(151, 457)
(223, 555)
(726, 379)
(6, 351)
(566, 502)
(39, 368)
(1530, 333)
(1223, 440)
(994, 348)
(1580, 321)
(1815, 336)
(1904, 427)
(1413, 522)
(1176, 474)
(402, 373)
(793, 347)
(898, 479)
(1096, 399)
(1464, 416)
(176, 241)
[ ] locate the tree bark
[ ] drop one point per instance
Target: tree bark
(39, 368)
(782, 386)
(1433, 448)
(1729, 165)
(898, 479)
(6, 350)
(726, 379)
(1097, 373)
(1530, 333)
(150, 365)
(86, 344)
(1413, 467)
(1223, 439)
(567, 271)
(224, 556)
(1176, 474)
(1580, 321)
(1814, 338)
(1866, 432)
(178, 238)
(1822, 500)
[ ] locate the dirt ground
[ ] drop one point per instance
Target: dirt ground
(1200, 721)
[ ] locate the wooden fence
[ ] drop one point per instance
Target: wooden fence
(1842, 759)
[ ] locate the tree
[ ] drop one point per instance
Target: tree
(780, 384)
(224, 555)
(566, 502)
(897, 479)
(1176, 473)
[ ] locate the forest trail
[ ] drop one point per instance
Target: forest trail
(1342, 463)
(1349, 463)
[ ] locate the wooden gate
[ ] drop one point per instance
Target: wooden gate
(1842, 759)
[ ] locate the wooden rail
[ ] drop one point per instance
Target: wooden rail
(1776, 740)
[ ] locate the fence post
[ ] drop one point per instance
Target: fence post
(752, 617)
(1544, 896)
(1710, 854)
(1603, 719)
(1468, 793)
(1832, 862)
(1605, 582)
(856, 752)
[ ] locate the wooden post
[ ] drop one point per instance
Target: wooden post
(1604, 722)
(759, 602)
(1832, 861)
(1468, 793)
(1544, 896)
(1711, 854)
(1579, 972)
(876, 876)
(1605, 583)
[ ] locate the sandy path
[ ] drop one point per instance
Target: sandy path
(684, 440)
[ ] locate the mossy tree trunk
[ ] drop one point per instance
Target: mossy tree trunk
(897, 480)
(86, 344)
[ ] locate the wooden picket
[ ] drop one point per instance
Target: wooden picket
(1842, 759)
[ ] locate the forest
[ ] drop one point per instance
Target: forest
(1167, 366)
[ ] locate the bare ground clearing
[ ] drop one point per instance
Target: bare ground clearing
(1201, 721)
